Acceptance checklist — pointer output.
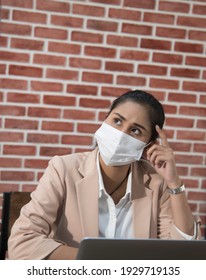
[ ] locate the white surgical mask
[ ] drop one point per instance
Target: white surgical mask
(116, 147)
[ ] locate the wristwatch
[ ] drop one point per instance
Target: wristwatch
(180, 189)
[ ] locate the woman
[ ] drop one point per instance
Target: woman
(128, 187)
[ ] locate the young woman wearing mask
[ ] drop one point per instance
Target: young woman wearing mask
(127, 187)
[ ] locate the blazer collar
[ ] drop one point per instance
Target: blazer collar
(87, 195)
(141, 200)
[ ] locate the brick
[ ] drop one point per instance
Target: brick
(138, 29)
(77, 140)
(152, 69)
(85, 63)
(59, 100)
(53, 6)
(21, 124)
(195, 135)
(23, 97)
(131, 80)
(29, 17)
(8, 187)
(192, 110)
(199, 22)
(171, 32)
(194, 86)
(189, 159)
(87, 127)
(178, 97)
(198, 171)
(78, 114)
(97, 77)
(18, 43)
(113, 91)
(46, 86)
(199, 9)
(24, 150)
(100, 51)
(164, 83)
(183, 171)
(57, 126)
(94, 103)
(155, 44)
(197, 35)
(2, 69)
(134, 55)
(202, 99)
(19, 3)
(6, 136)
(167, 58)
(149, 4)
(102, 115)
(10, 162)
(12, 56)
(185, 72)
(172, 6)
(28, 187)
(88, 37)
(189, 47)
(88, 10)
(12, 110)
(170, 109)
(51, 33)
(27, 71)
(199, 148)
(200, 195)
(106, 2)
(42, 138)
(119, 66)
(35, 163)
(52, 151)
(62, 74)
(67, 21)
(180, 146)
(125, 14)
(196, 61)
(41, 112)
(125, 41)
(4, 41)
(4, 13)
(63, 48)
(17, 175)
(15, 29)
(82, 89)
(179, 122)
(49, 60)
(201, 124)
(102, 25)
(158, 18)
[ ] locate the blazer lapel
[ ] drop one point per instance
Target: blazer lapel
(87, 196)
(142, 202)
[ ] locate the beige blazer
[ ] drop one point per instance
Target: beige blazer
(64, 207)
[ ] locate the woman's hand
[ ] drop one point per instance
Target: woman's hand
(162, 158)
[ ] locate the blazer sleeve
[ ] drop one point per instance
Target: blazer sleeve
(165, 227)
(32, 235)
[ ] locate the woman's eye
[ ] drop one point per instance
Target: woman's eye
(135, 131)
(117, 121)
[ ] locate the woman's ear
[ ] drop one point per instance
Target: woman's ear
(144, 155)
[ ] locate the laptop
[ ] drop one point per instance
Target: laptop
(141, 249)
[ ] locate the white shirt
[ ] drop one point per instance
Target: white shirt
(115, 221)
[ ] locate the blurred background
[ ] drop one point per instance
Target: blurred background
(62, 63)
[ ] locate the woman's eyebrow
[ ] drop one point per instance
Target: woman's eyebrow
(124, 119)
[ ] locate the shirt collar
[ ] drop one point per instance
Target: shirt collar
(101, 183)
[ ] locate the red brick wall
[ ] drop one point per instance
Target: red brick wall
(63, 62)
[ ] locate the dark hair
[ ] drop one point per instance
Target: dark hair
(155, 109)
